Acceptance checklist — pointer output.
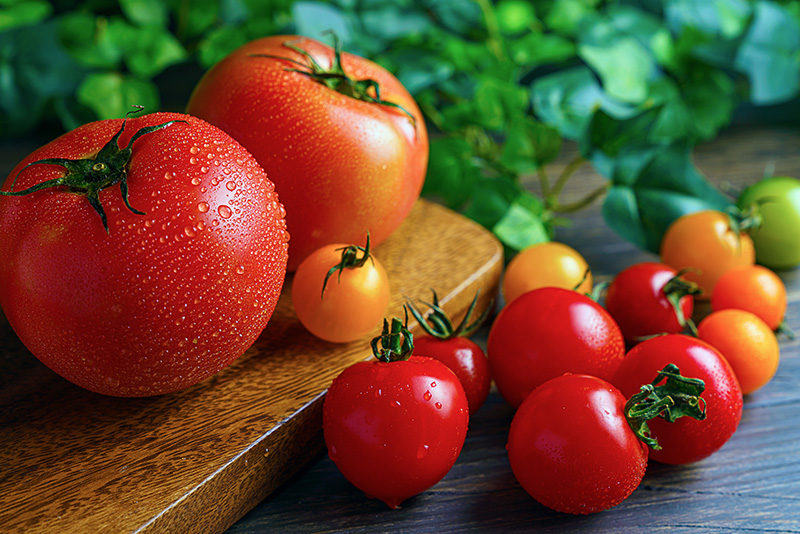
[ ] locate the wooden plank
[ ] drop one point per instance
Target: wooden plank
(197, 460)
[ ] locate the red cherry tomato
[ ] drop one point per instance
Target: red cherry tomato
(340, 163)
(182, 281)
(547, 332)
(450, 345)
(650, 298)
(571, 448)
(686, 440)
(395, 428)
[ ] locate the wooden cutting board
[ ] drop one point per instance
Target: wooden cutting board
(197, 460)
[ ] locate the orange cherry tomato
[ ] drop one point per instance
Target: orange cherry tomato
(746, 342)
(705, 243)
(755, 289)
(549, 264)
(340, 292)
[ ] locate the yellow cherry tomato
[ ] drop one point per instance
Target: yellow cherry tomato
(549, 264)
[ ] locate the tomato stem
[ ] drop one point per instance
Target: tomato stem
(396, 342)
(438, 324)
(679, 396)
(89, 176)
(350, 260)
(674, 290)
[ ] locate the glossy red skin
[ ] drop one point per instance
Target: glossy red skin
(636, 300)
(466, 359)
(124, 313)
(342, 166)
(686, 440)
(395, 429)
(571, 448)
(547, 332)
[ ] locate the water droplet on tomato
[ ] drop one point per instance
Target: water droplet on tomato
(169, 175)
(189, 231)
(202, 207)
(204, 169)
(438, 405)
(194, 150)
(240, 269)
(427, 396)
(193, 160)
(230, 186)
(422, 451)
(433, 384)
(196, 180)
(224, 211)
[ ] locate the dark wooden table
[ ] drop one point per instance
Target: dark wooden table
(751, 485)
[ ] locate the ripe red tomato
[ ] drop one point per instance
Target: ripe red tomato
(355, 295)
(570, 446)
(687, 440)
(394, 427)
(172, 292)
(707, 245)
(650, 298)
(547, 332)
(340, 164)
(451, 345)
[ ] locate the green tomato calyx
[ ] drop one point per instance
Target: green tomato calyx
(336, 79)
(350, 260)
(396, 342)
(89, 176)
(438, 324)
(674, 290)
(679, 396)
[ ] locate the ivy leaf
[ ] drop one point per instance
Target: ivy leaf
(145, 12)
(523, 224)
(529, 144)
(451, 175)
(89, 40)
(624, 66)
(536, 48)
(147, 51)
(111, 95)
(770, 54)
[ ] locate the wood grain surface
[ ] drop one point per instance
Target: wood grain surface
(197, 460)
(751, 485)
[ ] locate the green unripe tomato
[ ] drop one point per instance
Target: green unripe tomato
(514, 16)
(777, 240)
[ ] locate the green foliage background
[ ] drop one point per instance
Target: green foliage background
(637, 84)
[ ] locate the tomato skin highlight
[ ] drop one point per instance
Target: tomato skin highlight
(571, 448)
(341, 165)
(163, 300)
(704, 243)
(547, 332)
(686, 440)
(466, 359)
(353, 304)
(394, 429)
(636, 300)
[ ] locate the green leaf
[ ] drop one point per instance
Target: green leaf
(218, 43)
(112, 95)
(145, 12)
(313, 19)
(624, 66)
(88, 39)
(723, 18)
(529, 144)
(496, 101)
(491, 199)
(522, 225)
(451, 175)
(537, 48)
(24, 13)
(770, 55)
(566, 16)
(147, 51)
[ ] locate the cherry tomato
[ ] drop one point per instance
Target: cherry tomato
(705, 244)
(450, 345)
(341, 163)
(181, 281)
(687, 440)
(548, 332)
(548, 264)
(577, 446)
(755, 289)
(394, 427)
(650, 298)
(340, 292)
(777, 238)
(747, 343)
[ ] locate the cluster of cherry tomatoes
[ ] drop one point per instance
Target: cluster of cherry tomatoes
(599, 390)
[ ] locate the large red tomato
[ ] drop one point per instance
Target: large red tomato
(180, 283)
(342, 165)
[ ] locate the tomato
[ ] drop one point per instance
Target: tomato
(179, 285)
(451, 345)
(577, 446)
(340, 292)
(650, 298)
(394, 427)
(706, 245)
(341, 164)
(777, 238)
(755, 289)
(687, 440)
(747, 343)
(548, 332)
(549, 264)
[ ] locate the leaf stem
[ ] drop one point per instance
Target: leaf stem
(565, 175)
(495, 38)
(582, 203)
